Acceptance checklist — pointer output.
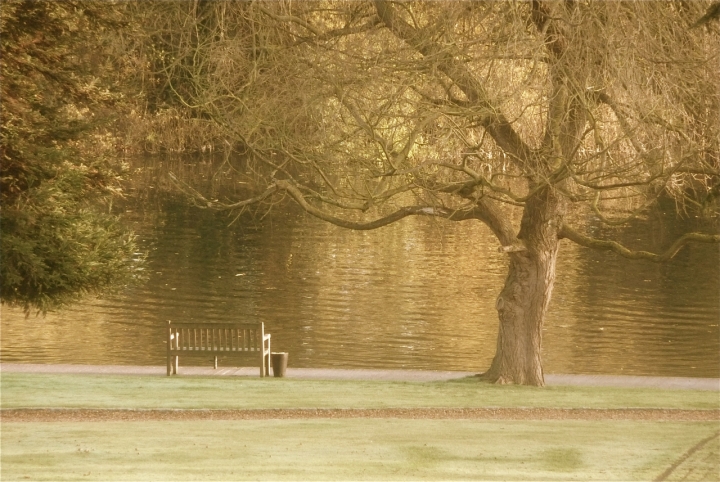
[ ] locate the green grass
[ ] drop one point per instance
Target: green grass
(352, 449)
(344, 449)
(22, 390)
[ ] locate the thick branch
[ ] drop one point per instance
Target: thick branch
(452, 215)
(712, 13)
(491, 119)
(483, 211)
(542, 19)
(600, 244)
(498, 222)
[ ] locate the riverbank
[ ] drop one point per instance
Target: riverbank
(618, 381)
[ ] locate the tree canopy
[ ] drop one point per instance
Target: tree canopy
(538, 119)
(59, 170)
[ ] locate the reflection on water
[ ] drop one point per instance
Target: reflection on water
(416, 294)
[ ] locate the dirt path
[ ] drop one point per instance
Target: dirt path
(104, 415)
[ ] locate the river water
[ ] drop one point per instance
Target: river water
(418, 294)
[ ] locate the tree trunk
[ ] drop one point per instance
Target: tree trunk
(524, 299)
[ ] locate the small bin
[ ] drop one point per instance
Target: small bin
(279, 363)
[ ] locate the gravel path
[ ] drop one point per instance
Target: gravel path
(132, 415)
(372, 374)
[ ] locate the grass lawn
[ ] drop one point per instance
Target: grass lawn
(355, 449)
(345, 449)
(23, 390)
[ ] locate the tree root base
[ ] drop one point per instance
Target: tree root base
(502, 380)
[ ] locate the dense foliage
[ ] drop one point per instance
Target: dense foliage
(59, 170)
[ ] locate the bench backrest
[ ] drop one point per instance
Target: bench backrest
(234, 337)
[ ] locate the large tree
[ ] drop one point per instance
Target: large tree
(535, 118)
(59, 171)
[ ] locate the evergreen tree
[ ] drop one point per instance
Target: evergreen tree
(59, 170)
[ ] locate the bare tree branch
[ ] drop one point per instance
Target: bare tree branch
(567, 232)
(712, 13)
(202, 202)
(440, 212)
(491, 118)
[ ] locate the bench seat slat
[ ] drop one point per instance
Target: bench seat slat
(217, 326)
(230, 354)
(219, 349)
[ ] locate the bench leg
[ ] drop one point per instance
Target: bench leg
(175, 364)
(269, 359)
(169, 365)
(215, 363)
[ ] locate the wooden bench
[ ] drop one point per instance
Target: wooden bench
(243, 341)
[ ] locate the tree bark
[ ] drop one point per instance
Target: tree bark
(525, 298)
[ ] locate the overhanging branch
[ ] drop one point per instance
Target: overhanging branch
(479, 212)
(203, 202)
(440, 212)
(604, 245)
